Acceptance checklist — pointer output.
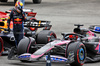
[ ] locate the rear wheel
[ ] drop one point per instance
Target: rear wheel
(37, 1)
(42, 37)
(79, 53)
(3, 0)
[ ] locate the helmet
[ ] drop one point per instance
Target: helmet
(19, 6)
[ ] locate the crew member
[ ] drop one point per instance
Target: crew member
(18, 17)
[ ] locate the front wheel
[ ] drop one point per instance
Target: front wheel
(37, 1)
(79, 53)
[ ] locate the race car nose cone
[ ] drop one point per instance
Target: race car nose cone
(24, 56)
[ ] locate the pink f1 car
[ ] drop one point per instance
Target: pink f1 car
(75, 48)
(72, 52)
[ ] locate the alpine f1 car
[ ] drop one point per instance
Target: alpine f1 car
(69, 51)
(75, 48)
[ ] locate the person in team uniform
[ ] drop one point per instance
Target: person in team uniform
(18, 17)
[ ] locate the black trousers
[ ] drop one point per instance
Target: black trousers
(18, 34)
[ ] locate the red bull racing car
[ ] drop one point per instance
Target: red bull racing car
(30, 15)
(7, 39)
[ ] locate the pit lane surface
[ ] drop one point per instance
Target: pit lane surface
(63, 14)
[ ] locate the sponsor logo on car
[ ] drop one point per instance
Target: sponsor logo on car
(57, 59)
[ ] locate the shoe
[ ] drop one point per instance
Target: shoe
(12, 52)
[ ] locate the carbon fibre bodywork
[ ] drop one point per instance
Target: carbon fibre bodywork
(40, 54)
(91, 42)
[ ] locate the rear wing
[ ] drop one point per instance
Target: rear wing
(3, 13)
(29, 12)
(38, 24)
(25, 10)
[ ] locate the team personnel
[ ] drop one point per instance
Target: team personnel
(18, 17)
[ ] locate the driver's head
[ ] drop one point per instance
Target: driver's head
(18, 6)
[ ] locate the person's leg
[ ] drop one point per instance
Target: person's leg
(20, 36)
(13, 49)
(16, 38)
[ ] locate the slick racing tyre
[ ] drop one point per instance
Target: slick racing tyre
(3, 0)
(37, 1)
(1, 46)
(78, 50)
(42, 37)
(26, 45)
